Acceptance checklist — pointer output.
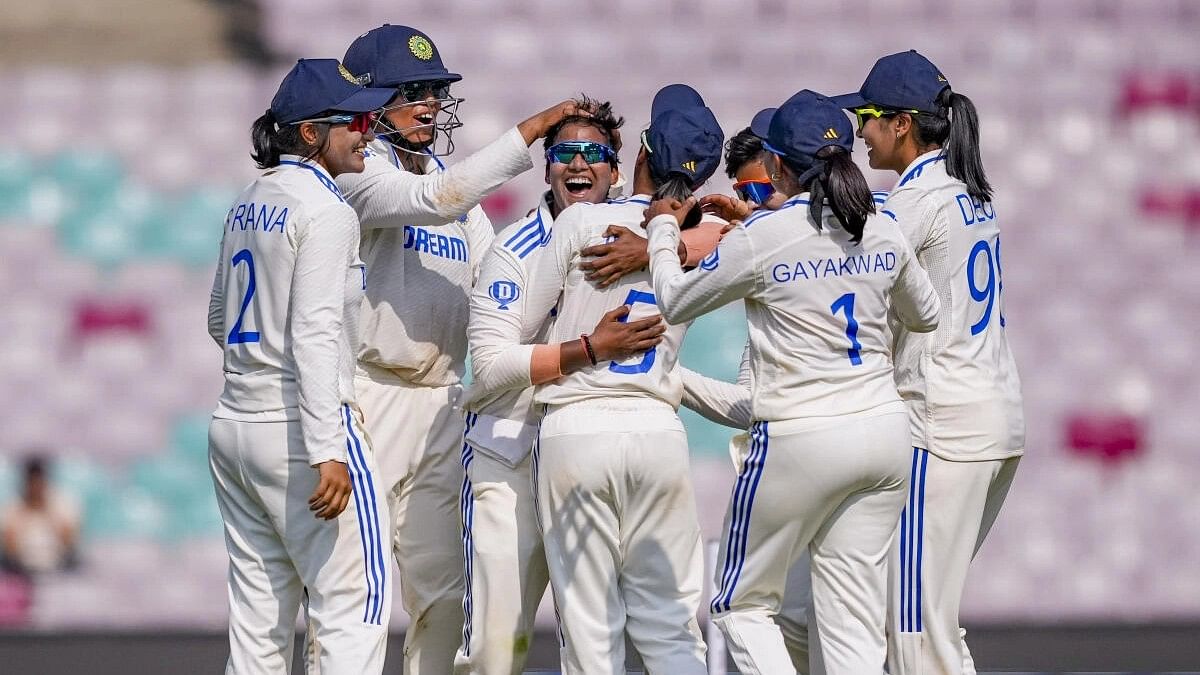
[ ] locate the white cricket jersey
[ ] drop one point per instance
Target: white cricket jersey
(960, 382)
(414, 320)
(816, 303)
(507, 416)
(582, 305)
(285, 304)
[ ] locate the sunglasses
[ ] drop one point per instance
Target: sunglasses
(876, 112)
(757, 191)
(593, 153)
(360, 122)
(419, 91)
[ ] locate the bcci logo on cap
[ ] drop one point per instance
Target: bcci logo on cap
(690, 165)
(420, 47)
(504, 292)
(347, 75)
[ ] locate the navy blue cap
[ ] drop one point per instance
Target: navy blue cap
(761, 124)
(316, 85)
(804, 124)
(389, 56)
(684, 135)
(902, 81)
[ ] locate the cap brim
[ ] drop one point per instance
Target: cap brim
(365, 100)
(849, 101)
(433, 77)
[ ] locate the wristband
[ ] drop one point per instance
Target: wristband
(587, 348)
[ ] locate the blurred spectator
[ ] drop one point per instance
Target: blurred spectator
(40, 527)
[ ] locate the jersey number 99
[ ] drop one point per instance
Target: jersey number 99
(995, 283)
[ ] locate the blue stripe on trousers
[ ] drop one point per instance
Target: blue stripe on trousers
(739, 528)
(912, 530)
(467, 508)
(734, 520)
(364, 494)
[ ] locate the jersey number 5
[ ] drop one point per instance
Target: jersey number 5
(647, 361)
(237, 335)
(846, 304)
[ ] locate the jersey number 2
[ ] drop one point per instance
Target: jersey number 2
(237, 336)
(846, 303)
(647, 361)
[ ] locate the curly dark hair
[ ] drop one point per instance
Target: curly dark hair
(602, 119)
(743, 147)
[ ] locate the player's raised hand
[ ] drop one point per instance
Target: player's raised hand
(609, 262)
(615, 339)
(333, 490)
(537, 126)
(728, 208)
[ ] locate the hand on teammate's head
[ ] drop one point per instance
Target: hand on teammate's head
(673, 207)
(728, 208)
(536, 127)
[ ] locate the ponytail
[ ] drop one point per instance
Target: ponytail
(837, 180)
(270, 141)
(676, 186)
(956, 130)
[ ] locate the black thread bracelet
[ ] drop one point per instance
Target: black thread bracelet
(587, 348)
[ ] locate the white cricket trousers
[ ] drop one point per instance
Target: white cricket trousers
(622, 537)
(834, 486)
(417, 434)
(950, 509)
(505, 564)
(796, 606)
(278, 550)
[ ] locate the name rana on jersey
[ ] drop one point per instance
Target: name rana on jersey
(866, 263)
(258, 217)
(423, 241)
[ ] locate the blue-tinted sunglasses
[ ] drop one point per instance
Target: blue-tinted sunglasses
(593, 153)
(757, 191)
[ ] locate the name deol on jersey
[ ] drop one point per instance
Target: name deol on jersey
(864, 263)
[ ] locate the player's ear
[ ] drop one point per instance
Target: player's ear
(902, 125)
(309, 134)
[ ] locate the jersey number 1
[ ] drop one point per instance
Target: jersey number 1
(846, 303)
(237, 336)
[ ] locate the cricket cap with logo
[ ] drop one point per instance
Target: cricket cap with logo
(389, 56)
(314, 86)
(806, 123)
(901, 81)
(684, 136)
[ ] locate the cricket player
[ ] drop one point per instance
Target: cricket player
(506, 573)
(828, 465)
(295, 475)
(613, 496)
(960, 382)
(423, 236)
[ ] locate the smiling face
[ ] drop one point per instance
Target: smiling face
(882, 141)
(413, 121)
(578, 181)
(343, 150)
